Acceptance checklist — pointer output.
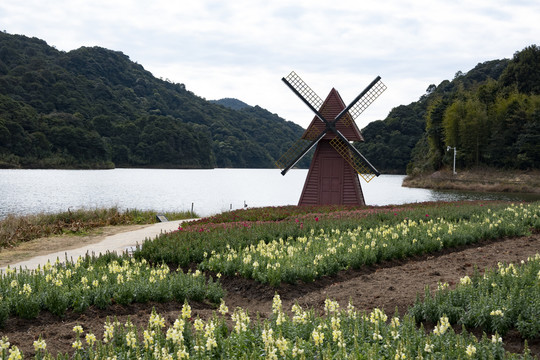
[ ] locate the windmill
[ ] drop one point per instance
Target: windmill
(332, 177)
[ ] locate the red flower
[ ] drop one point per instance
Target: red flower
(427, 215)
(316, 218)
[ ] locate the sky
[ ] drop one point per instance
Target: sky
(242, 48)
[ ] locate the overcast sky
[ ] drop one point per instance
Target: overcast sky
(242, 48)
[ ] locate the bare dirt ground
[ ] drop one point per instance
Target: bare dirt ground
(388, 285)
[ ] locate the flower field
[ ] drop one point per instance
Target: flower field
(502, 299)
(339, 333)
(98, 282)
(295, 283)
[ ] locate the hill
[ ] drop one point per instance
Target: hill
(95, 108)
(491, 114)
(231, 103)
(390, 142)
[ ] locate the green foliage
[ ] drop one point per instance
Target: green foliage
(325, 252)
(94, 108)
(336, 334)
(489, 114)
(281, 228)
(388, 144)
(100, 281)
(524, 71)
(503, 299)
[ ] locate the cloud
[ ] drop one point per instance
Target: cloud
(242, 48)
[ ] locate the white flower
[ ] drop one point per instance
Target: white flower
(496, 339)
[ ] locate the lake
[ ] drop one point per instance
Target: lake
(207, 191)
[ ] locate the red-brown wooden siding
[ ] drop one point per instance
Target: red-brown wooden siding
(331, 180)
(331, 107)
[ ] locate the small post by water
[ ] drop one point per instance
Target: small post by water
(191, 208)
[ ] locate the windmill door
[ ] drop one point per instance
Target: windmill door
(331, 180)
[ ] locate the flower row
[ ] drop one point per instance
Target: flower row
(244, 228)
(89, 281)
(339, 333)
(500, 300)
(327, 252)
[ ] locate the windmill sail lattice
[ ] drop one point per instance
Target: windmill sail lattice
(297, 149)
(358, 163)
(303, 89)
(366, 100)
(332, 175)
(346, 117)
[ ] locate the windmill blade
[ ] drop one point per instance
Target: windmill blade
(305, 93)
(362, 101)
(358, 162)
(297, 152)
(294, 81)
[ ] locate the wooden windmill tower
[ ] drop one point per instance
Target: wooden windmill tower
(332, 176)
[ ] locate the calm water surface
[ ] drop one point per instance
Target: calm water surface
(208, 191)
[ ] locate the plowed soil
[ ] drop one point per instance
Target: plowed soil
(389, 285)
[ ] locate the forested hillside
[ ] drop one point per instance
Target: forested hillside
(491, 114)
(94, 108)
(494, 123)
(389, 143)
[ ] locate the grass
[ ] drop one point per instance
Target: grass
(15, 230)
(478, 179)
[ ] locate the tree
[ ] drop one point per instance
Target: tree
(524, 71)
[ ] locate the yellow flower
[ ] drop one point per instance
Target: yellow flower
(471, 350)
(15, 354)
(186, 311)
(78, 329)
(90, 339)
(318, 337)
(4, 343)
(27, 290)
(198, 324)
(442, 326)
(223, 309)
(156, 321)
(131, 339)
(40, 345)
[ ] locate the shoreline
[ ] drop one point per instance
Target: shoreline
(478, 180)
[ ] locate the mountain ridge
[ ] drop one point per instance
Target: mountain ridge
(94, 108)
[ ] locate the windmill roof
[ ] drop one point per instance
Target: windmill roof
(330, 108)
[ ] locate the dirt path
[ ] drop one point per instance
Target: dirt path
(110, 239)
(389, 285)
(43, 246)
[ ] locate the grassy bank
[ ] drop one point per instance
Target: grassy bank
(482, 180)
(17, 229)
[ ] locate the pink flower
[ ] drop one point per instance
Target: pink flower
(427, 215)
(316, 218)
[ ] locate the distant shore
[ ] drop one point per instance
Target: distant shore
(480, 180)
